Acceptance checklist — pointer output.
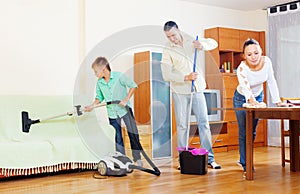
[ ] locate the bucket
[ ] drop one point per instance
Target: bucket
(193, 160)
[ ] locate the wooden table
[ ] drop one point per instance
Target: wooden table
(290, 113)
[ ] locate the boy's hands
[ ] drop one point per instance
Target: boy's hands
(88, 108)
(123, 102)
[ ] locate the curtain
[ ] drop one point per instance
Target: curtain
(284, 50)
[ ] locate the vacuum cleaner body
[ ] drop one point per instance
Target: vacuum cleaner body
(115, 164)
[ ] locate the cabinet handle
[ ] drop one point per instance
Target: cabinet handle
(219, 140)
(196, 143)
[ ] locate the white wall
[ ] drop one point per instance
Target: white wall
(39, 47)
(40, 40)
(105, 18)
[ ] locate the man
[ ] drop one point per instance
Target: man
(177, 68)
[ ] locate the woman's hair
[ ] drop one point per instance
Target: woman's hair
(170, 24)
(101, 61)
(248, 42)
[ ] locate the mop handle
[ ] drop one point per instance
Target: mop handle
(191, 100)
(194, 67)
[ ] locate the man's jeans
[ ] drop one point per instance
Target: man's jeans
(199, 109)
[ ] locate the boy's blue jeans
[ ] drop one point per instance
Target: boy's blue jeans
(238, 101)
(132, 134)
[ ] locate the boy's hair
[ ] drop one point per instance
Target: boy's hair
(169, 25)
(248, 42)
(101, 61)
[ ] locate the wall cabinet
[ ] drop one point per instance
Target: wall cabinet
(230, 45)
(230, 50)
(225, 34)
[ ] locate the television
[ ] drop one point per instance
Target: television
(213, 100)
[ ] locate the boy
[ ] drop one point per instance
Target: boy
(112, 86)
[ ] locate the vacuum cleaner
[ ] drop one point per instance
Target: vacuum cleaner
(117, 164)
(113, 164)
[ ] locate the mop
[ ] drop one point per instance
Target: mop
(192, 161)
(191, 100)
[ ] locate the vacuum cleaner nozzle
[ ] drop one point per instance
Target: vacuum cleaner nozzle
(26, 122)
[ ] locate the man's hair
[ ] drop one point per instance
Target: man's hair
(101, 61)
(170, 24)
(248, 42)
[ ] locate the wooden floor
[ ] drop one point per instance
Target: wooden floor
(269, 177)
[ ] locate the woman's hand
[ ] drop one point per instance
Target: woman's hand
(252, 102)
(283, 104)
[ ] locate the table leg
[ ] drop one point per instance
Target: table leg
(249, 144)
(294, 146)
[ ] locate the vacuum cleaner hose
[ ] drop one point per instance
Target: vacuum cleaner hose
(155, 170)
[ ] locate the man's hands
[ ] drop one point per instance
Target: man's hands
(197, 45)
(190, 77)
(194, 75)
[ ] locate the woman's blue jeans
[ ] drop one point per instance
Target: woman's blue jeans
(238, 101)
(132, 134)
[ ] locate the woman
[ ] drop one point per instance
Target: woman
(252, 73)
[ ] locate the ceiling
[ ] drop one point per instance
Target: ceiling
(241, 5)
